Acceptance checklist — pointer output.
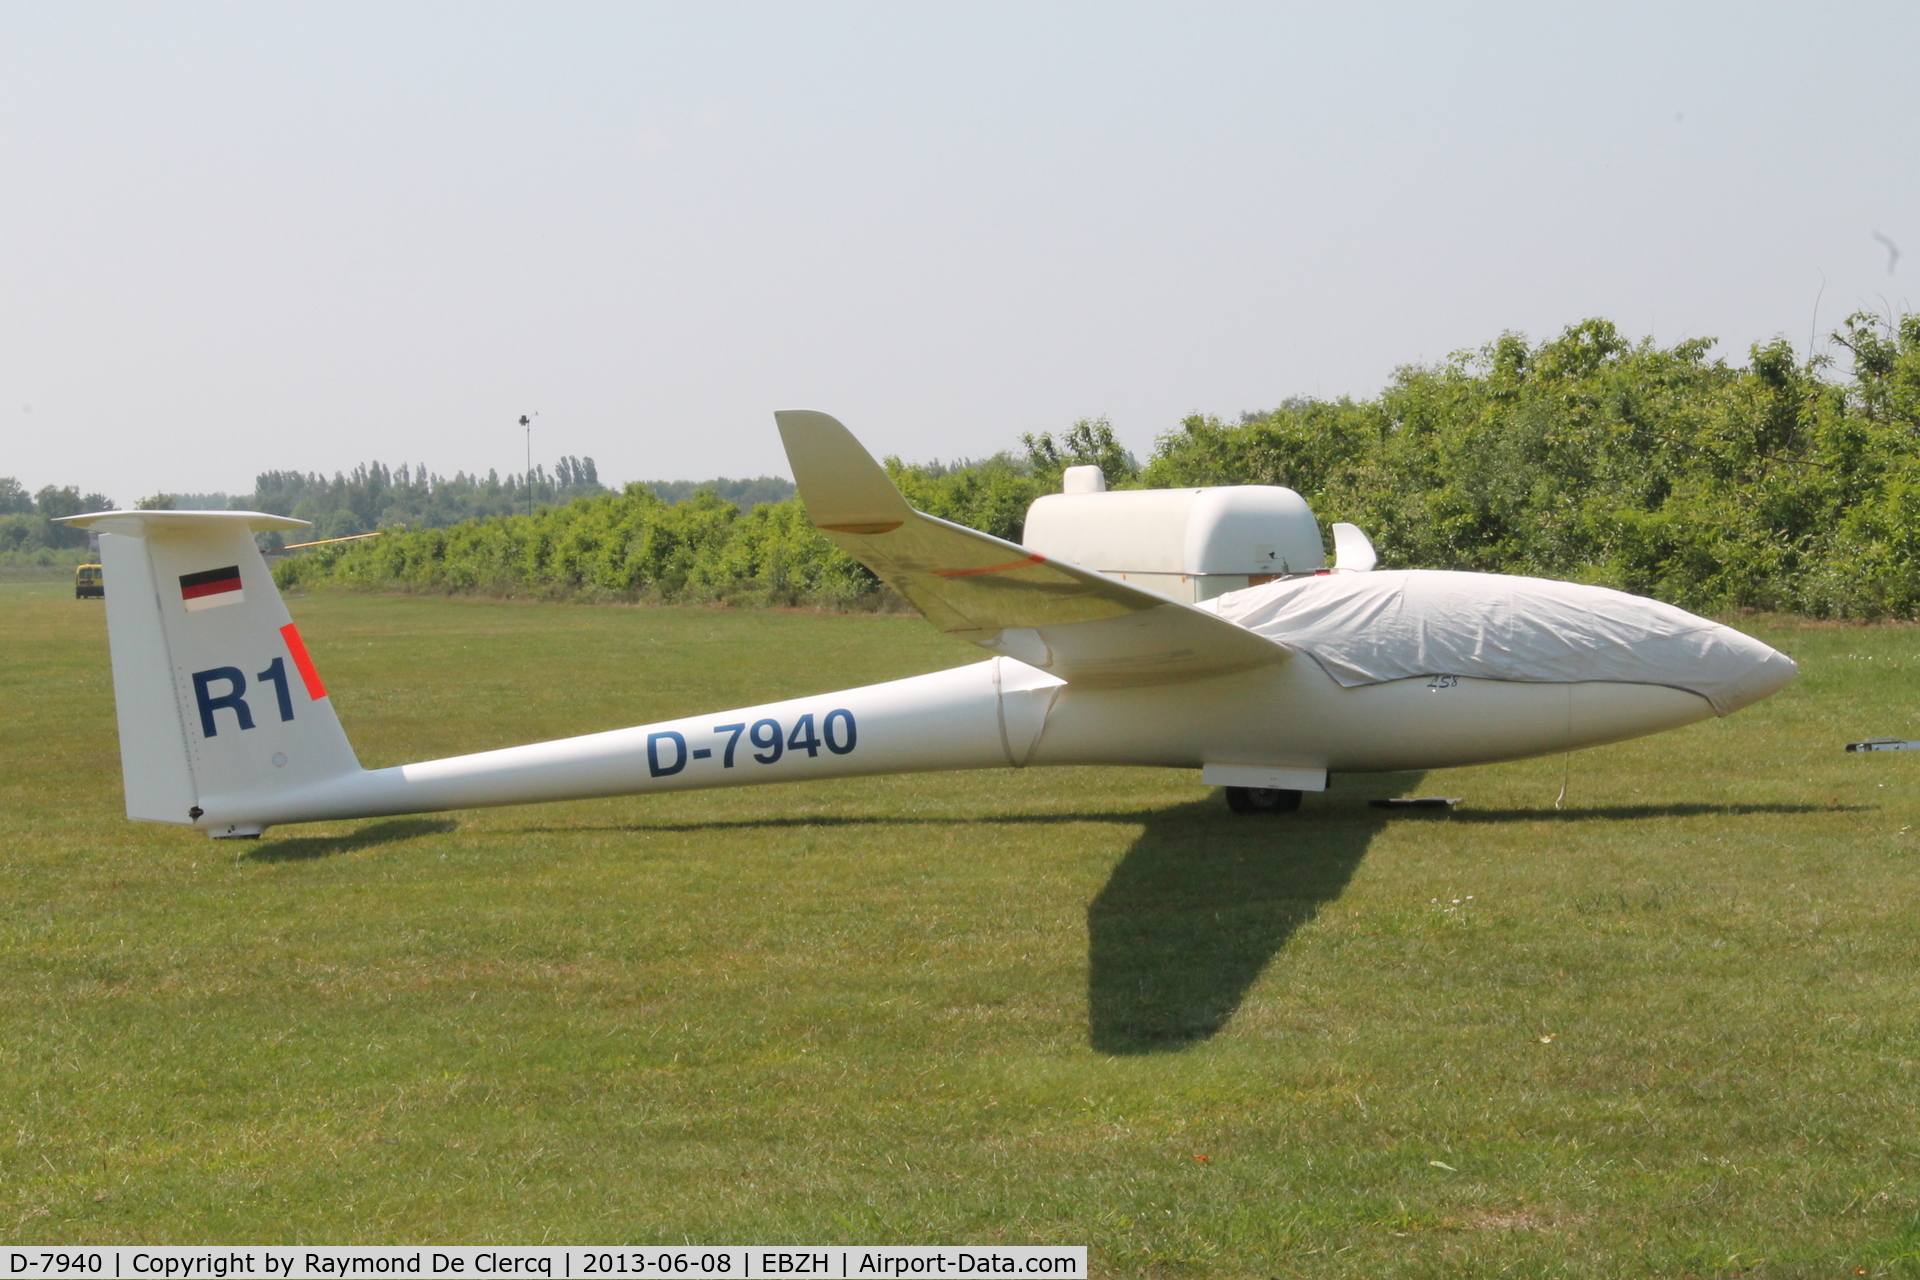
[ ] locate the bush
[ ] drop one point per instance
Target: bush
(1656, 470)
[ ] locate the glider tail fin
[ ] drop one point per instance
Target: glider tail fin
(213, 688)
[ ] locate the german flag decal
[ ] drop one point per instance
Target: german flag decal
(212, 588)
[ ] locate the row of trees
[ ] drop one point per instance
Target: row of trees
(371, 496)
(1781, 483)
(642, 545)
(28, 534)
(630, 545)
(1772, 485)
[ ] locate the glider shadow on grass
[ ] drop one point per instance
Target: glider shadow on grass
(1204, 900)
(306, 848)
(1645, 812)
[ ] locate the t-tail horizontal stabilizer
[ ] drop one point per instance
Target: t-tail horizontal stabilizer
(214, 690)
(1082, 626)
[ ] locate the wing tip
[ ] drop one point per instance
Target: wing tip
(844, 489)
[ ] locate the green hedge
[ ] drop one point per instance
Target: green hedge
(625, 546)
(1779, 484)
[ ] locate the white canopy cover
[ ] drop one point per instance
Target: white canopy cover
(1368, 628)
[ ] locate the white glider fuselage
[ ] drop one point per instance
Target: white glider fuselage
(1291, 719)
(225, 724)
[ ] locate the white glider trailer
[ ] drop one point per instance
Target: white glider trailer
(1191, 629)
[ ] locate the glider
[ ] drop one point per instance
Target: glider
(1196, 629)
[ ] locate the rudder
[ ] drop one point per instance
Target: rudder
(214, 692)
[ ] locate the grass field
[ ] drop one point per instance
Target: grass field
(1670, 1029)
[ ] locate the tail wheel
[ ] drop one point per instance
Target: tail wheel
(1261, 800)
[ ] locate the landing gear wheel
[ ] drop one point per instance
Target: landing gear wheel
(1261, 800)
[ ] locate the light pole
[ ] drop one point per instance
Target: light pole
(527, 422)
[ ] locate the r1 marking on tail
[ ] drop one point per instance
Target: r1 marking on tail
(276, 673)
(234, 699)
(230, 700)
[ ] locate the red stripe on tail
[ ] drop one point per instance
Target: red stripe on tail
(303, 663)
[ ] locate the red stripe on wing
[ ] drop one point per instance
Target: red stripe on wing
(989, 568)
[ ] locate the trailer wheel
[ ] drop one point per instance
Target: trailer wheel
(1261, 800)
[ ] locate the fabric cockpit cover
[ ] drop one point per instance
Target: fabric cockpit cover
(1368, 628)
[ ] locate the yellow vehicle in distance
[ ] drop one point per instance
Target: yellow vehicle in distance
(88, 584)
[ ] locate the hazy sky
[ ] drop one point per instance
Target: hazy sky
(238, 237)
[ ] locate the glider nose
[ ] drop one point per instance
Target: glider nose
(1762, 670)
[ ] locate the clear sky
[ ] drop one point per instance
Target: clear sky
(245, 236)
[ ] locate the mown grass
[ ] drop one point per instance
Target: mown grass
(1668, 1029)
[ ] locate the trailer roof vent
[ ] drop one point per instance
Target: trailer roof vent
(1083, 480)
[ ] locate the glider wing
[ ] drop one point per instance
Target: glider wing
(1082, 626)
